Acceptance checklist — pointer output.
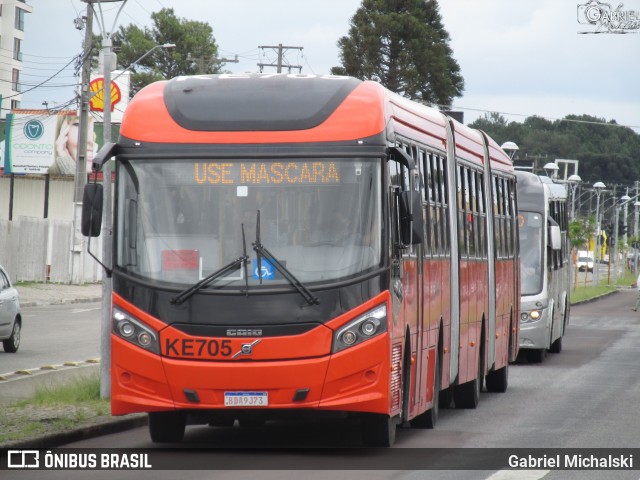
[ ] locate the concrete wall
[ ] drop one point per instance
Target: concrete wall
(29, 197)
(34, 248)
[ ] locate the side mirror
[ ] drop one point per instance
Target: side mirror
(555, 240)
(411, 223)
(91, 223)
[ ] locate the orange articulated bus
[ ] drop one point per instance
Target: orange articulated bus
(305, 244)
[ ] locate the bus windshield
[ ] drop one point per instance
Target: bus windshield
(531, 266)
(180, 220)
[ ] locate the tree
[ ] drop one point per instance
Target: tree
(606, 152)
(581, 230)
(403, 45)
(195, 52)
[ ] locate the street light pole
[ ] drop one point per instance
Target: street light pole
(635, 234)
(598, 186)
(105, 324)
(623, 204)
(551, 169)
(573, 180)
(624, 216)
(164, 45)
(107, 237)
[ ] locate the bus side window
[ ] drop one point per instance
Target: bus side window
(472, 210)
(509, 223)
(462, 246)
(434, 187)
(443, 179)
(482, 217)
(427, 193)
(496, 218)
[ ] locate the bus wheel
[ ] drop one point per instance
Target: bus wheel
(467, 395)
(556, 347)
(498, 380)
(446, 397)
(167, 427)
(429, 418)
(537, 355)
(378, 430)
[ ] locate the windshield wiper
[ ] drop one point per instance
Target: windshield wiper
(235, 265)
(261, 251)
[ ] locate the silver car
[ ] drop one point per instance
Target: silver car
(10, 318)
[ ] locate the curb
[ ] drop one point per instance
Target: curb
(82, 433)
(42, 303)
(22, 384)
(590, 300)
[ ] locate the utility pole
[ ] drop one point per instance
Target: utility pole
(203, 61)
(624, 222)
(280, 51)
(81, 164)
(77, 243)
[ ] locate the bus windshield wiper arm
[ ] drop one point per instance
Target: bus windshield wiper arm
(261, 251)
(235, 265)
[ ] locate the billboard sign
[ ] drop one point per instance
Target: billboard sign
(40, 143)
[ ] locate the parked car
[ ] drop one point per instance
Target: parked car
(10, 317)
(585, 263)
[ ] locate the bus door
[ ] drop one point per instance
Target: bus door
(489, 249)
(406, 280)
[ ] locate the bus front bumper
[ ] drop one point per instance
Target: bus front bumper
(534, 334)
(353, 380)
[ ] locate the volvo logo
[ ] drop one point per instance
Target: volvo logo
(246, 349)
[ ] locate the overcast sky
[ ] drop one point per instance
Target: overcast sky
(519, 58)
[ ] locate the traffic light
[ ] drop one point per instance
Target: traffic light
(622, 228)
(608, 228)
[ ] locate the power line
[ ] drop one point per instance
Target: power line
(45, 81)
(281, 61)
(551, 119)
(143, 8)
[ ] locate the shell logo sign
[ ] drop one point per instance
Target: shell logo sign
(97, 91)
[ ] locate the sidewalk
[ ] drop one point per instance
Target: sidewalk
(36, 294)
(21, 386)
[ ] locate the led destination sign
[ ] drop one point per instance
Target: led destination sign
(266, 173)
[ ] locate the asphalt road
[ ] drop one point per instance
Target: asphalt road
(585, 397)
(55, 334)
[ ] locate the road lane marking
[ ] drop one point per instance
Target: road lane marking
(518, 475)
(83, 310)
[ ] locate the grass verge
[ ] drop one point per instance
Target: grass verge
(583, 293)
(53, 410)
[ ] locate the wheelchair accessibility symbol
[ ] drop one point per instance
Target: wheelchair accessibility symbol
(267, 272)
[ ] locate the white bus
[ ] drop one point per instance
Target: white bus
(544, 265)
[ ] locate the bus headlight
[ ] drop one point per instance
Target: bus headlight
(134, 331)
(360, 329)
(532, 316)
(126, 329)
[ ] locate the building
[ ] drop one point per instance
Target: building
(12, 24)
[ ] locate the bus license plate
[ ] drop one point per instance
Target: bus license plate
(246, 399)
